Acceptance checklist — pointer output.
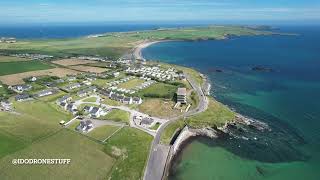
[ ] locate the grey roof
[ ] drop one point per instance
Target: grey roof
(147, 121)
(136, 98)
(85, 124)
(86, 108)
(182, 92)
(127, 99)
(64, 98)
(94, 110)
(22, 96)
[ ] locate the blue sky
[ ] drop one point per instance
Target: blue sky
(44, 11)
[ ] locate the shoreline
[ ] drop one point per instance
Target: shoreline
(187, 134)
(137, 52)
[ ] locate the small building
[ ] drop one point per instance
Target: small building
(22, 97)
(21, 88)
(127, 100)
(116, 74)
(46, 92)
(182, 95)
(136, 100)
(85, 126)
(146, 122)
(71, 78)
(72, 108)
(64, 99)
(33, 79)
(72, 86)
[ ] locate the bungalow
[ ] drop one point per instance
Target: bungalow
(71, 78)
(107, 93)
(127, 100)
(87, 91)
(64, 99)
(137, 100)
(58, 81)
(46, 92)
(85, 126)
(94, 112)
(72, 108)
(146, 122)
(72, 86)
(82, 93)
(21, 88)
(22, 97)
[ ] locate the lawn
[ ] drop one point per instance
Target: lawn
(159, 90)
(90, 99)
(117, 115)
(88, 159)
(7, 68)
(131, 83)
(216, 115)
(159, 108)
(170, 131)
(131, 148)
(110, 102)
(102, 132)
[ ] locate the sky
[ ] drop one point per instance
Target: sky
(46, 11)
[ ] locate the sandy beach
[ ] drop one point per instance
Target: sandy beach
(137, 51)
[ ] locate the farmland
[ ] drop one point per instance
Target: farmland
(12, 59)
(14, 79)
(24, 66)
(71, 62)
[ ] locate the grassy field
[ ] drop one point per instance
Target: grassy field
(118, 115)
(36, 121)
(215, 116)
(170, 130)
(158, 108)
(110, 102)
(7, 68)
(11, 59)
(131, 148)
(88, 159)
(102, 132)
(114, 45)
(159, 90)
(90, 99)
(131, 83)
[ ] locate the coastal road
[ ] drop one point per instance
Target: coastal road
(159, 153)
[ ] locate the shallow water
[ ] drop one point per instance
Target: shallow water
(287, 98)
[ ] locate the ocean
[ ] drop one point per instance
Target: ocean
(285, 93)
(54, 31)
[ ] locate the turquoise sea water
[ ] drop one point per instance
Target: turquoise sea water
(288, 98)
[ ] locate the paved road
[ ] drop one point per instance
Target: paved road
(155, 167)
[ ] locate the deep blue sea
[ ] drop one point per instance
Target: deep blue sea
(51, 31)
(287, 97)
